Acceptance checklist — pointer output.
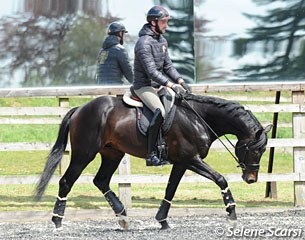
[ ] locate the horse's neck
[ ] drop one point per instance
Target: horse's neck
(226, 117)
(240, 124)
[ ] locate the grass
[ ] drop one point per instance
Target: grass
(87, 196)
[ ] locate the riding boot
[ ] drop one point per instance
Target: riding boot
(153, 133)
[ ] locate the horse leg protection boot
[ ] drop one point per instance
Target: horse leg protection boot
(115, 203)
(59, 211)
(153, 133)
(229, 203)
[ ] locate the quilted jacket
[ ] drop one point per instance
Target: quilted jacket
(113, 63)
(152, 62)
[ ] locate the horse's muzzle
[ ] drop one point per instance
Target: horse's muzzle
(250, 177)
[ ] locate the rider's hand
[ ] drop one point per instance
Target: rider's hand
(179, 90)
(186, 87)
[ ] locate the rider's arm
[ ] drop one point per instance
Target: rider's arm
(125, 65)
(144, 54)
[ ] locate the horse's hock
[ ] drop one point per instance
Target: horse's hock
(15, 115)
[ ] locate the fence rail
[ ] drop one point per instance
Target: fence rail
(53, 115)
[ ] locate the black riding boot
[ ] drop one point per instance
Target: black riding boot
(153, 133)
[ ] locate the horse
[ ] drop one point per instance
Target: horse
(106, 125)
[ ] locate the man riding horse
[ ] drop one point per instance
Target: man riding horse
(152, 65)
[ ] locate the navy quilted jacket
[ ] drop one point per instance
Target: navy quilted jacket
(152, 62)
(113, 63)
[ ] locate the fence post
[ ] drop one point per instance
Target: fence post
(64, 102)
(298, 120)
(125, 188)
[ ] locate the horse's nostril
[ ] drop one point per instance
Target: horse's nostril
(251, 180)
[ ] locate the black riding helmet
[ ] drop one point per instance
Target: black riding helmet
(157, 13)
(116, 27)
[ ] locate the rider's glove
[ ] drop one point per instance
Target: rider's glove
(179, 90)
(186, 87)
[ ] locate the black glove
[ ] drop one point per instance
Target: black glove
(178, 90)
(186, 87)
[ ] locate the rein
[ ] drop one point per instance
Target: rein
(242, 165)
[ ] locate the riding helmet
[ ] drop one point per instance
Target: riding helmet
(157, 13)
(116, 27)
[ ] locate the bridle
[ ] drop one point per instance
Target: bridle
(249, 146)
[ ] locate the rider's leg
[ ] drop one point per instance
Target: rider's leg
(151, 99)
(153, 133)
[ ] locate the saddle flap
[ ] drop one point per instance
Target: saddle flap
(144, 114)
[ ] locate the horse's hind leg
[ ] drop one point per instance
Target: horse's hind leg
(77, 165)
(110, 163)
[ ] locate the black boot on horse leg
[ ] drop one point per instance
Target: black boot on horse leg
(153, 133)
(229, 203)
(162, 214)
(118, 208)
(59, 211)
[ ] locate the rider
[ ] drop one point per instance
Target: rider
(152, 65)
(113, 60)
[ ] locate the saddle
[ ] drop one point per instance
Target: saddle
(144, 114)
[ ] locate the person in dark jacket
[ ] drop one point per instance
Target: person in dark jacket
(152, 65)
(113, 60)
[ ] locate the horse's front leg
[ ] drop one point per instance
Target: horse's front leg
(203, 169)
(229, 202)
(173, 182)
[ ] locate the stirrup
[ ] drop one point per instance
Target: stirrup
(153, 160)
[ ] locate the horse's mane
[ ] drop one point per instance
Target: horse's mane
(234, 109)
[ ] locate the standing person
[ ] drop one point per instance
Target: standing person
(113, 60)
(152, 64)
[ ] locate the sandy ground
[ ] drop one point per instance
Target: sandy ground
(262, 224)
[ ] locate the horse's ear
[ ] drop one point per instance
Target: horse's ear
(259, 133)
(268, 128)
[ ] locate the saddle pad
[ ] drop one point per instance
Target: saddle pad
(144, 116)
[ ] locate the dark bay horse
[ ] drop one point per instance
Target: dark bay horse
(106, 125)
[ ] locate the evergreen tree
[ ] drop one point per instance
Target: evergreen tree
(180, 36)
(280, 32)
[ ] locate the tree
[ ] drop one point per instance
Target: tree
(281, 32)
(54, 43)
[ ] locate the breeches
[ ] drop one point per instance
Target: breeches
(150, 98)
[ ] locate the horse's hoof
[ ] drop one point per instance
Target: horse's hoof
(123, 222)
(164, 225)
(58, 229)
(232, 217)
(57, 221)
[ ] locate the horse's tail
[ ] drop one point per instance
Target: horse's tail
(55, 155)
